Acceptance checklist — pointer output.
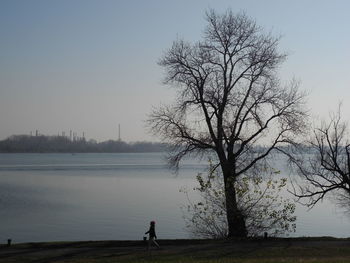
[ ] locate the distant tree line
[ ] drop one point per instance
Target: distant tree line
(48, 144)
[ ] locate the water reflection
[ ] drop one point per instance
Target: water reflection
(101, 204)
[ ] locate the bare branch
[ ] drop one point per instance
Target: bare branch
(229, 100)
(326, 170)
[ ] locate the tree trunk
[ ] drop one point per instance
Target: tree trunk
(235, 218)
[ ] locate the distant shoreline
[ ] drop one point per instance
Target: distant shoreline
(64, 144)
(74, 153)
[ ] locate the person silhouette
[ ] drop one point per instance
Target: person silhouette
(152, 235)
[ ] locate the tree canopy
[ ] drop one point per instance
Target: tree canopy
(229, 100)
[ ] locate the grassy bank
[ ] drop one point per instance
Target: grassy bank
(193, 251)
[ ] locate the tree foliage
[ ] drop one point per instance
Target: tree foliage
(259, 198)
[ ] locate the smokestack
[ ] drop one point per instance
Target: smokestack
(119, 139)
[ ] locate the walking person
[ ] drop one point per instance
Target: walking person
(152, 235)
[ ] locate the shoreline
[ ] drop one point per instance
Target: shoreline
(131, 242)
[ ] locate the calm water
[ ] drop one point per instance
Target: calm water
(52, 197)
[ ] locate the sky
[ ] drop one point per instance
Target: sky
(88, 66)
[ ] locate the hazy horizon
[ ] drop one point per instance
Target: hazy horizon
(88, 66)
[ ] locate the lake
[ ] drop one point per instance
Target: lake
(56, 197)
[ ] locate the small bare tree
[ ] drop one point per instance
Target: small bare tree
(324, 163)
(229, 101)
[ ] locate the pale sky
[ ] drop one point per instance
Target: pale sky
(88, 66)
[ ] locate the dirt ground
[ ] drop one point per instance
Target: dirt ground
(134, 251)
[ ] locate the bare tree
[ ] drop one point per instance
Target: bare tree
(229, 100)
(324, 163)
